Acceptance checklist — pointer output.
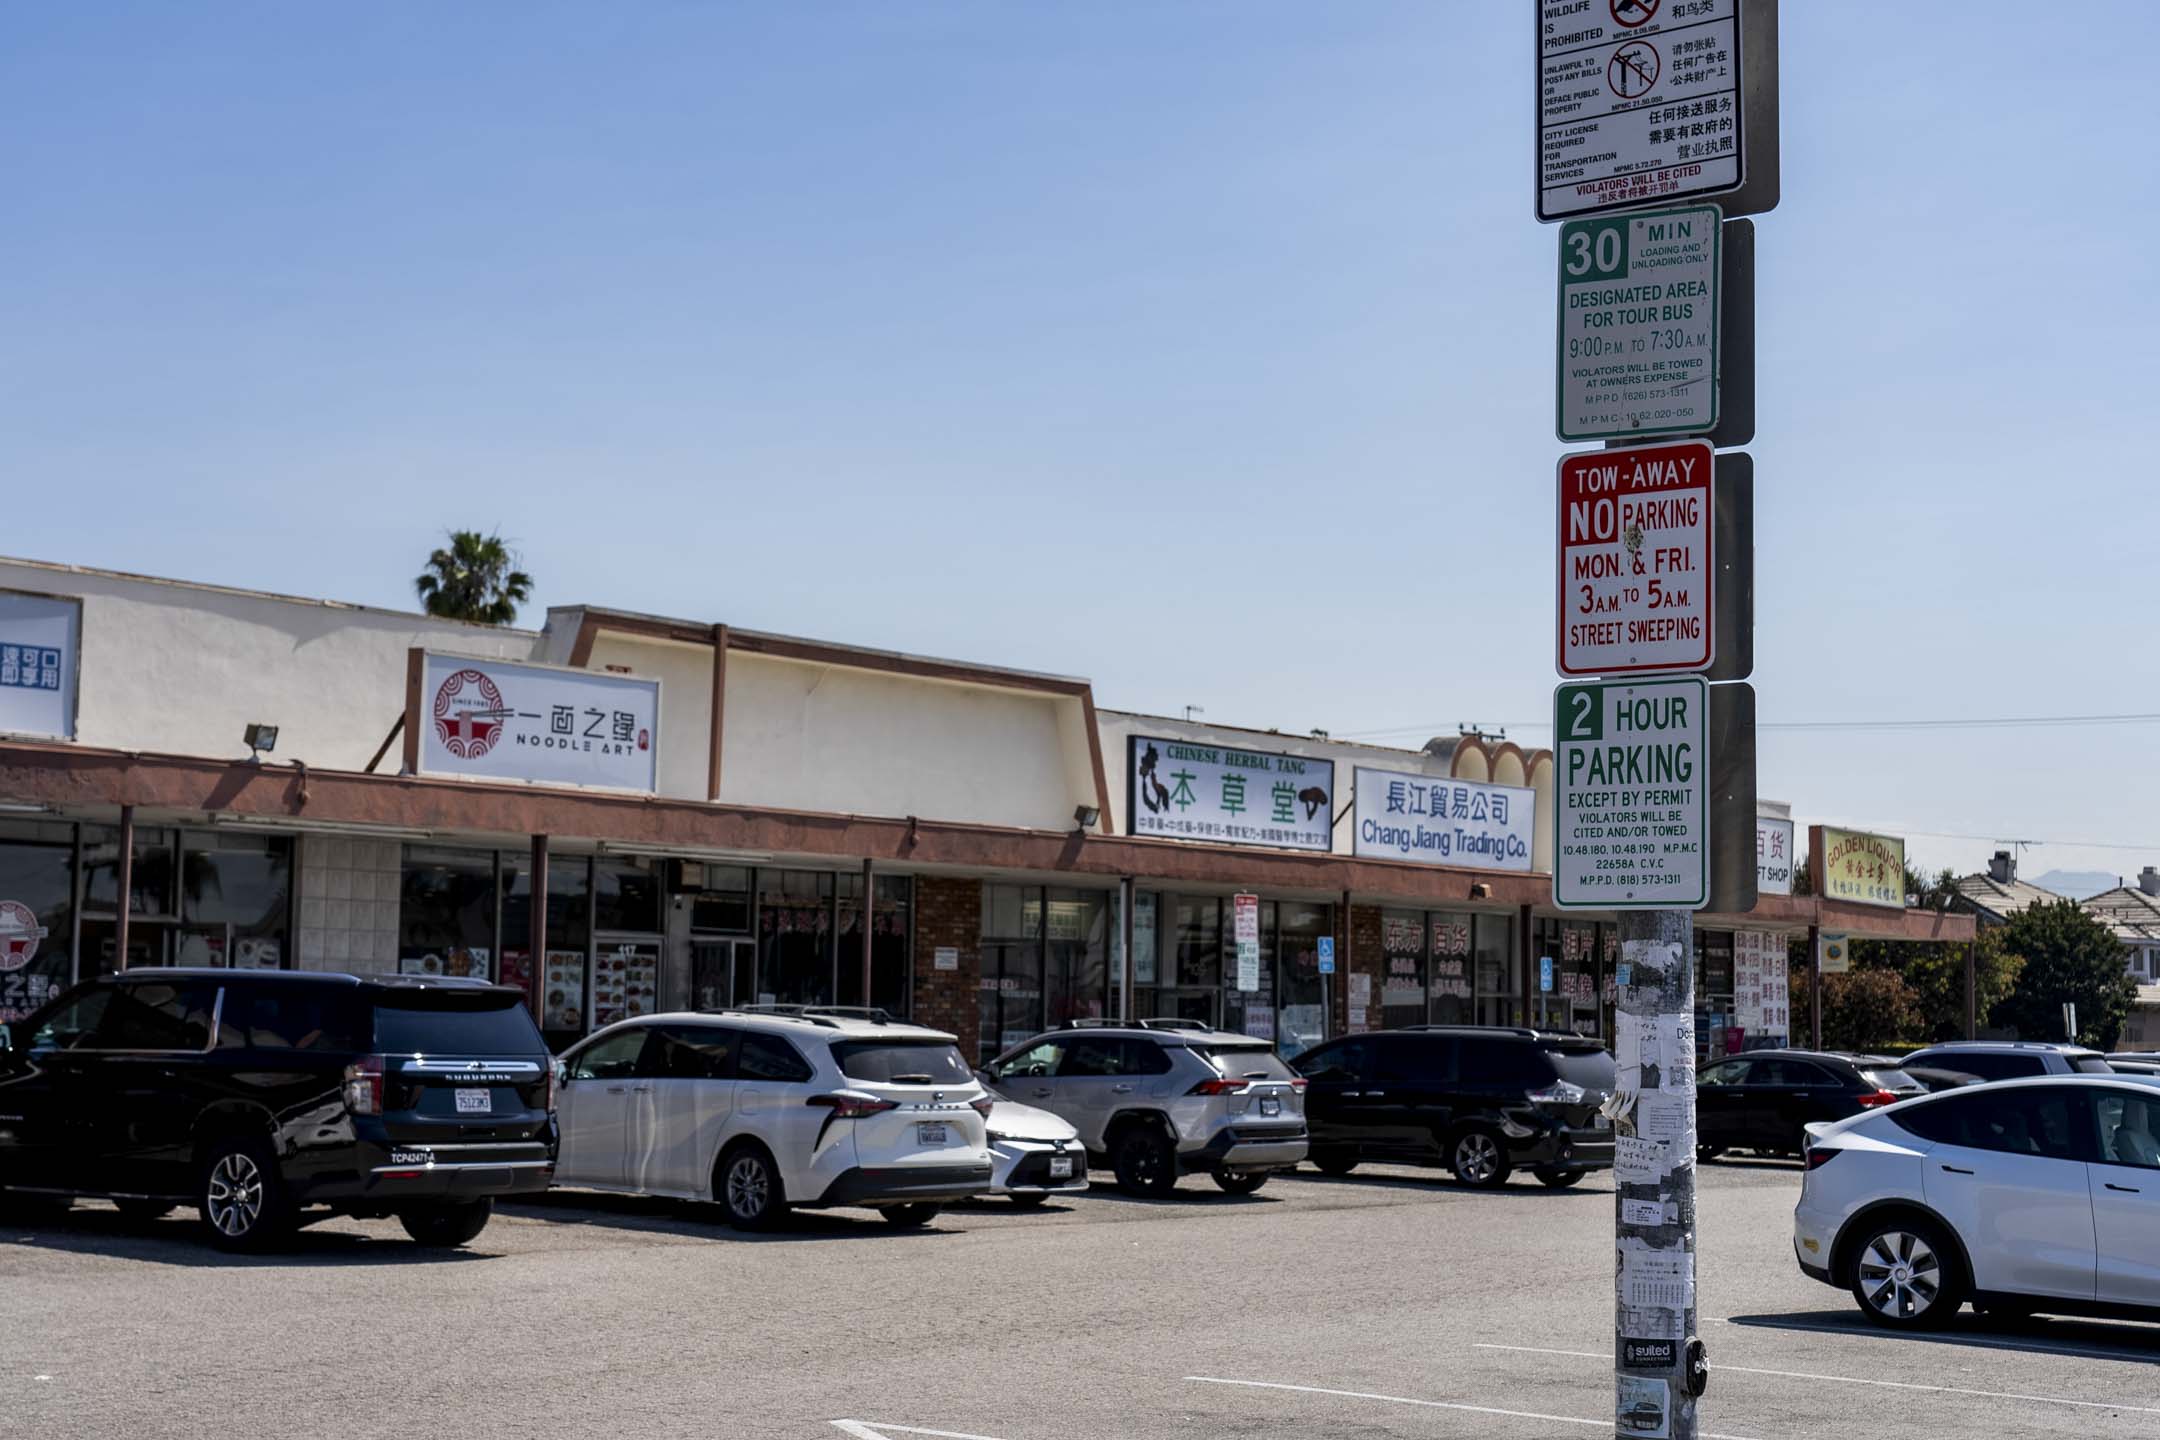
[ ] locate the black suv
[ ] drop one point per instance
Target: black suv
(1480, 1100)
(269, 1099)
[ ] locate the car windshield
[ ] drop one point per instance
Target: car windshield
(456, 1022)
(902, 1062)
(1883, 1078)
(1246, 1062)
(2091, 1065)
(1592, 1069)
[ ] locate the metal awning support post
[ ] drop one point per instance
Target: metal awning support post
(127, 885)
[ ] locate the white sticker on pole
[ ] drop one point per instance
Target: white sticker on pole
(1633, 559)
(1632, 803)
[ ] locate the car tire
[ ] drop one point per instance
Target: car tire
(1558, 1179)
(447, 1224)
(144, 1211)
(1479, 1158)
(1027, 1202)
(747, 1185)
(1334, 1162)
(1240, 1183)
(910, 1217)
(1906, 1274)
(1145, 1162)
(241, 1195)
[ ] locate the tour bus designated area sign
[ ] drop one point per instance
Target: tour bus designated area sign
(1638, 102)
(1638, 335)
(1634, 560)
(1632, 806)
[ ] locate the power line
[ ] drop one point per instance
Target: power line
(2009, 722)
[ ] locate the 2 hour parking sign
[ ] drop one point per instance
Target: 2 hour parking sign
(1632, 803)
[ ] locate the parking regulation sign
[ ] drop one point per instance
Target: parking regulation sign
(1634, 560)
(1638, 332)
(1632, 802)
(1638, 101)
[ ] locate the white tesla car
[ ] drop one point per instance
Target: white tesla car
(2021, 1196)
(1033, 1154)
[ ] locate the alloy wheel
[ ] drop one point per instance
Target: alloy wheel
(1900, 1275)
(1477, 1159)
(235, 1195)
(748, 1186)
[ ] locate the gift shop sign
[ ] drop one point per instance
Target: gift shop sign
(540, 724)
(1634, 560)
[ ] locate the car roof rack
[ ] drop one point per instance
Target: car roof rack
(1171, 1022)
(1094, 1022)
(827, 1015)
(1521, 1031)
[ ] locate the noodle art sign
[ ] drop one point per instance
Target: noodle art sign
(539, 724)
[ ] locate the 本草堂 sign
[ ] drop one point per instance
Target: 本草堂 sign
(1632, 795)
(1856, 866)
(1190, 790)
(1637, 102)
(1406, 816)
(39, 636)
(495, 720)
(1634, 559)
(1638, 339)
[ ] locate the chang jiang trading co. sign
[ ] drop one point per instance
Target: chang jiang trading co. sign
(1181, 790)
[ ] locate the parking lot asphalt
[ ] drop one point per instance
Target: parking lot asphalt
(1389, 1303)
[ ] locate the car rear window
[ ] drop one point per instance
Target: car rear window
(1590, 1068)
(292, 1017)
(1885, 1079)
(1246, 1062)
(902, 1062)
(2091, 1065)
(455, 1022)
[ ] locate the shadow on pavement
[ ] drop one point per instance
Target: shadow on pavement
(695, 1220)
(90, 1229)
(2101, 1339)
(1520, 1184)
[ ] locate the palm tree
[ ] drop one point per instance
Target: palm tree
(473, 580)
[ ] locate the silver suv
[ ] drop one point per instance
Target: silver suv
(1164, 1098)
(2010, 1059)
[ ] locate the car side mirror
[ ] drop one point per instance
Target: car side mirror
(562, 1072)
(7, 1038)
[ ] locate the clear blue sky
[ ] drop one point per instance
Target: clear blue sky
(1204, 349)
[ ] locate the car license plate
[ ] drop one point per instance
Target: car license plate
(932, 1134)
(475, 1101)
(1269, 1105)
(1603, 1121)
(1061, 1167)
(412, 1157)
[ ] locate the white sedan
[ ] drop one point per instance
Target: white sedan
(2021, 1196)
(1033, 1154)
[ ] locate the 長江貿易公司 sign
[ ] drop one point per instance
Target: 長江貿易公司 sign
(1637, 347)
(1633, 559)
(1631, 798)
(1401, 815)
(1634, 111)
(499, 720)
(1198, 790)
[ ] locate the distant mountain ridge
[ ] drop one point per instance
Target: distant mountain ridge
(2077, 884)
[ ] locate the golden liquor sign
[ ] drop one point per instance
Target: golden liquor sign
(1857, 867)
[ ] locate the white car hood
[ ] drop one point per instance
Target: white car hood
(1025, 1122)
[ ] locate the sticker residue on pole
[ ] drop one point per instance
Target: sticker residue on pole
(1645, 1408)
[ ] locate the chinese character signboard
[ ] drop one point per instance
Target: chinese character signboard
(1639, 101)
(1638, 330)
(496, 720)
(1761, 997)
(1773, 855)
(1634, 559)
(1189, 790)
(1245, 930)
(1438, 821)
(39, 636)
(1855, 866)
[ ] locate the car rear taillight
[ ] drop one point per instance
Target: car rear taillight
(981, 1105)
(364, 1086)
(1298, 1085)
(547, 1088)
(1560, 1092)
(1874, 1098)
(1817, 1158)
(1218, 1087)
(852, 1107)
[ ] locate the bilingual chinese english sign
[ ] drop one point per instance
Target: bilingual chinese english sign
(1632, 805)
(1634, 559)
(1638, 333)
(1403, 816)
(493, 720)
(1638, 101)
(1856, 866)
(1186, 790)
(39, 635)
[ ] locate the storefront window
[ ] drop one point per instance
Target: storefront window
(1077, 954)
(1714, 994)
(795, 938)
(37, 916)
(150, 885)
(1251, 1012)
(560, 976)
(1301, 1013)
(446, 912)
(1193, 943)
(1575, 982)
(626, 895)
(1499, 977)
(719, 897)
(1402, 968)
(1147, 938)
(236, 900)
(1452, 985)
(1009, 1002)
(889, 966)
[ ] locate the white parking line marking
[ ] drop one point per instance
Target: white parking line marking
(1857, 1380)
(876, 1430)
(1980, 1341)
(1431, 1404)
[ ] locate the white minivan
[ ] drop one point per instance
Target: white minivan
(761, 1112)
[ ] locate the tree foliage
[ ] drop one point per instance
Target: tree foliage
(474, 578)
(2067, 956)
(1862, 1009)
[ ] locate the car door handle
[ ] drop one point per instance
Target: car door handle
(642, 1089)
(1042, 1093)
(618, 1089)
(1121, 1089)
(1955, 1171)
(2123, 1189)
(1376, 1094)
(1351, 1094)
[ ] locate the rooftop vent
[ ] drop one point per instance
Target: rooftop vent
(2003, 868)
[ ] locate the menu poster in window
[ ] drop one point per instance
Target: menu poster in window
(255, 952)
(517, 969)
(562, 1005)
(626, 982)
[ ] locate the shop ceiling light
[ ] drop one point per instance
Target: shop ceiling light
(1086, 816)
(261, 739)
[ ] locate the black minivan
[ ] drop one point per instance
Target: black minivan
(269, 1099)
(1480, 1100)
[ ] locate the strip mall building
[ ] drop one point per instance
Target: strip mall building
(624, 813)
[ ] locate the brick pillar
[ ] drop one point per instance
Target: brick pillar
(948, 915)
